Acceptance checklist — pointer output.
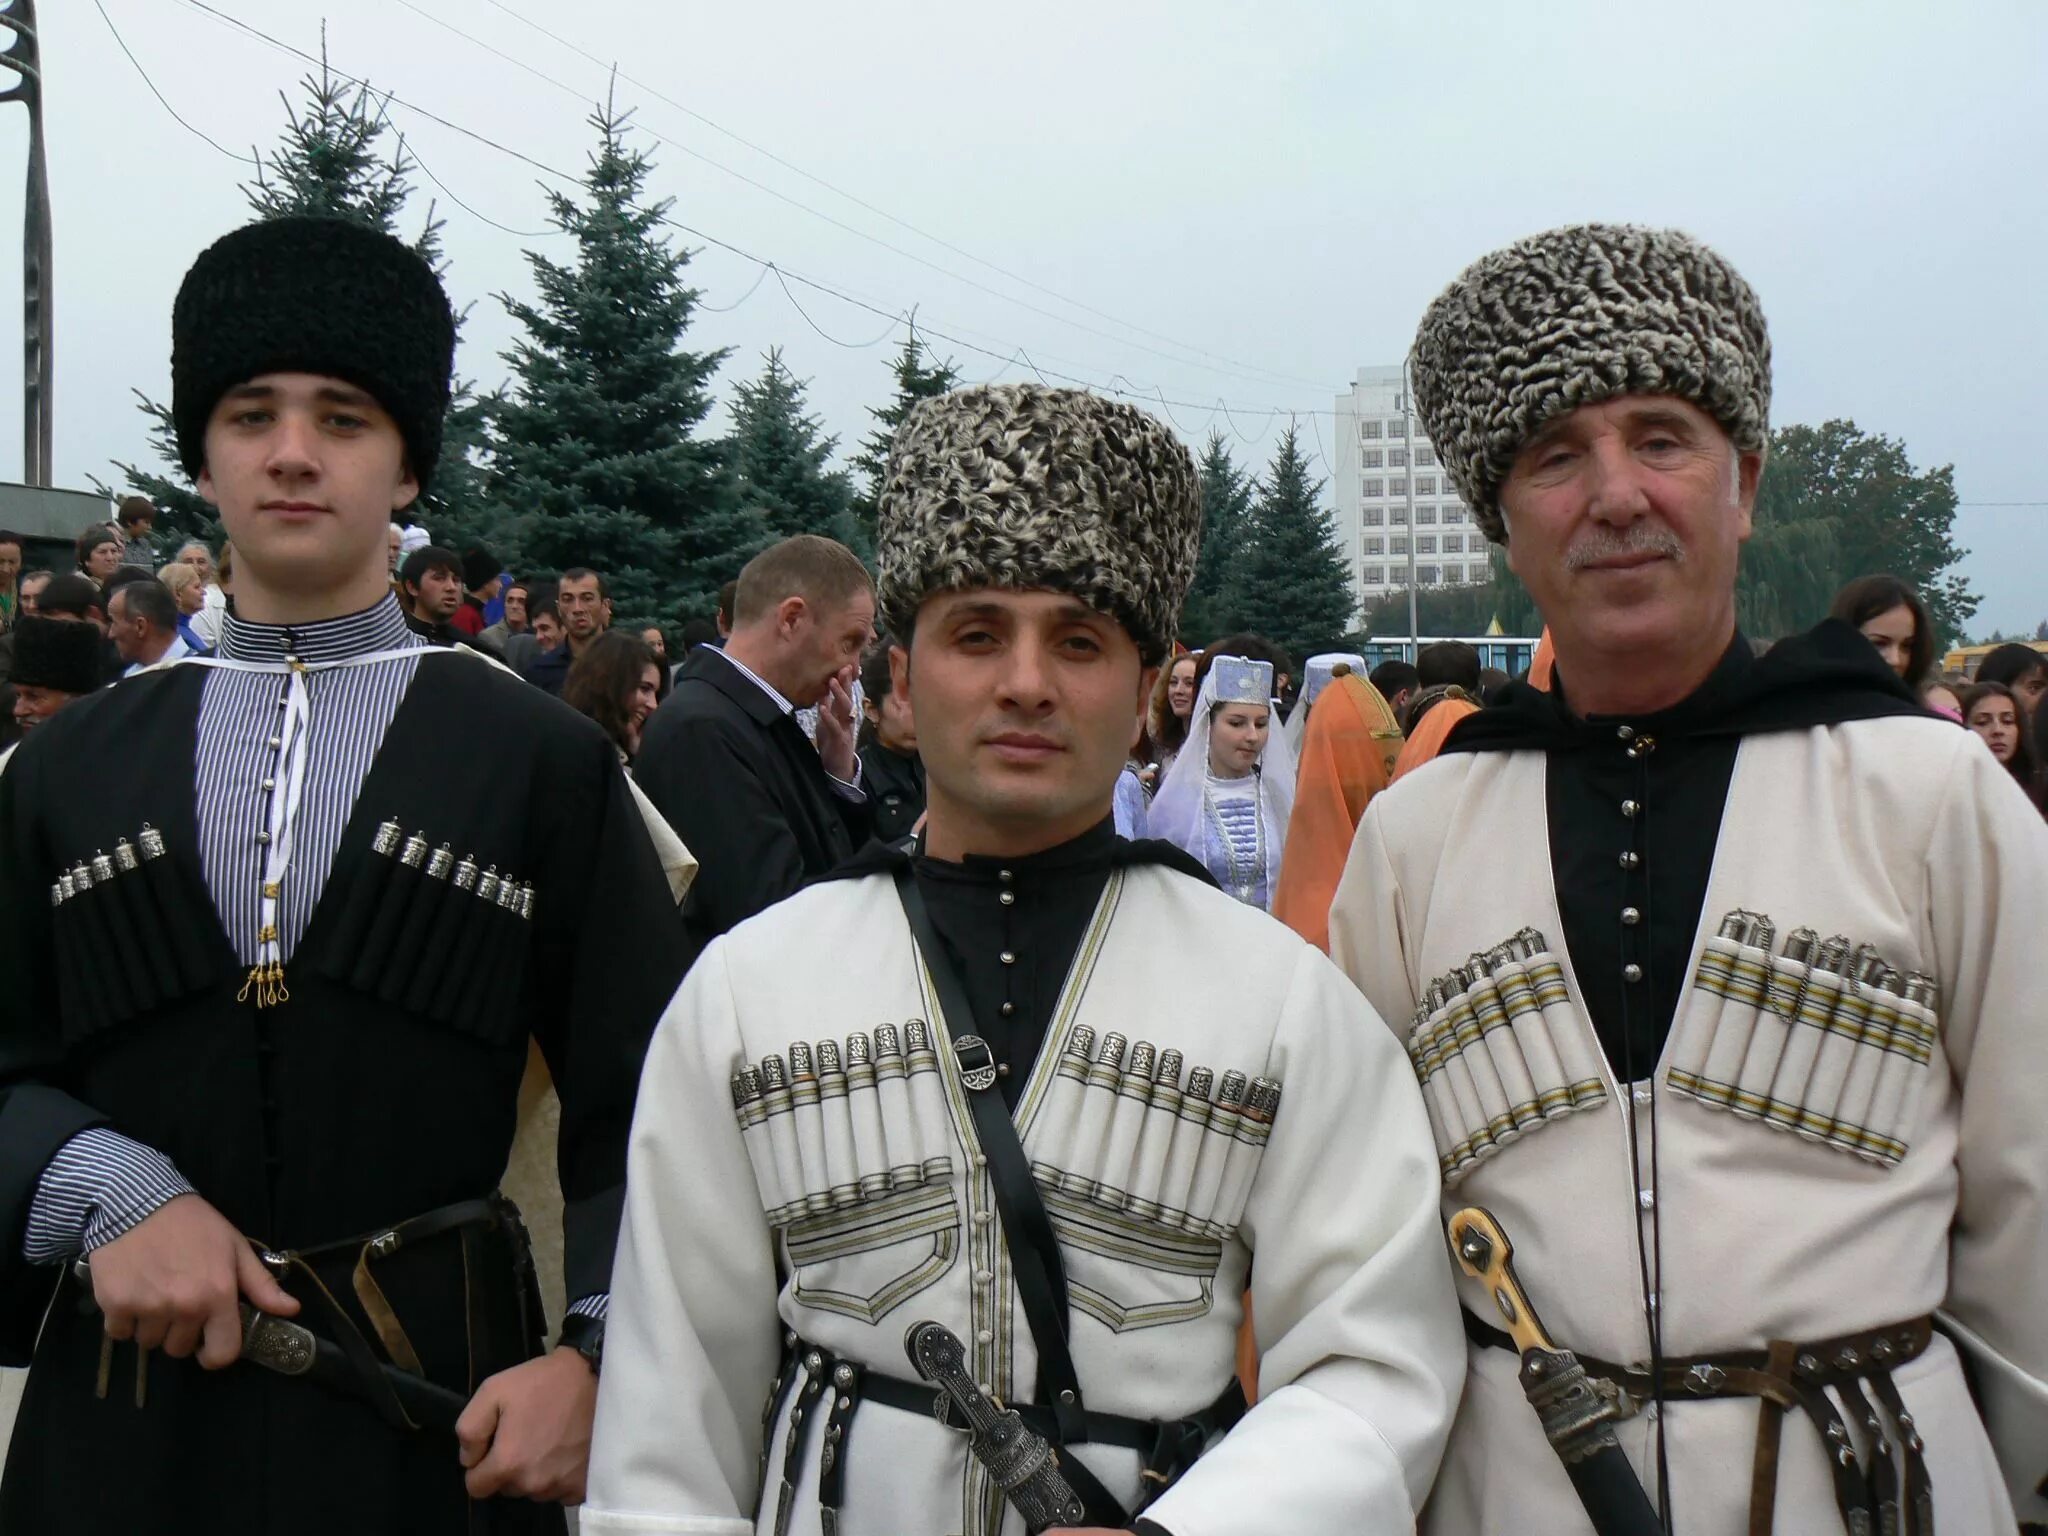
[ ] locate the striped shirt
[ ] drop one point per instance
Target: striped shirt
(101, 1184)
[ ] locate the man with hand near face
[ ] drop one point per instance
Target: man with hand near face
(1079, 1207)
(724, 759)
(274, 1000)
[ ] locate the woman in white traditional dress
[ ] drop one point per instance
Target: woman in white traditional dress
(1227, 797)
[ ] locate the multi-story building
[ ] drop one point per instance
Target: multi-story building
(1377, 450)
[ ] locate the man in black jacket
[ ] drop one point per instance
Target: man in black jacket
(725, 761)
(269, 1015)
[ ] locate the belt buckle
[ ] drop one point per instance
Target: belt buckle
(1703, 1379)
(978, 1070)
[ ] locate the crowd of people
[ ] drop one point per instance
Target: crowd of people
(958, 945)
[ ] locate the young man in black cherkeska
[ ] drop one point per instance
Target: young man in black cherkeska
(271, 1047)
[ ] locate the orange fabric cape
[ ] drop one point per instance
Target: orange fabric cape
(1347, 753)
(1429, 736)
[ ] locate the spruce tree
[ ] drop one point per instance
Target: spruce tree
(915, 380)
(596, 443)
(1212, 605)
(330, 162)
(781, 462)
(1293, 587)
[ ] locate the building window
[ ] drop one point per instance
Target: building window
(1374, 488)
(1427, 576)
(1425, 455)
(1425, 485)
(1425, 543)
(1399, 545)
(1372, 516)
(1454, 543)
(1375, 546)
(1375, 576)
(1453, 513)
(1369, 458)
(1425, 514)
(1369, 431)
(1397, 485)
(1398, 515)
(1480, 573)
(1397, 458)
(1397, 427)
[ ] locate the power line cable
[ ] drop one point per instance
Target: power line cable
(851, 346)
(159, 95)
(1273, 375)
(783, 273)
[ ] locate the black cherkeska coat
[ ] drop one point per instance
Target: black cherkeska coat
(386, 1086)
(742, 786)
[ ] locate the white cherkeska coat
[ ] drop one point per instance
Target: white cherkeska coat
(1361, 1354)
(1901, 833)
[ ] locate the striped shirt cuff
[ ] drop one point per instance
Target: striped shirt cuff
(595, 1306)
(98, 1186)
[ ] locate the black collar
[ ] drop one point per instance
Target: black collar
(1827, 676)
(708, 664)
(1099, 847)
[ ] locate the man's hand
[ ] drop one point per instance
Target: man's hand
(835, 725)
(176, 1281)
(527, 1430)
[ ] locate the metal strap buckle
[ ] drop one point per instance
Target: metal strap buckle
(977, 1062)
(1703, 1379)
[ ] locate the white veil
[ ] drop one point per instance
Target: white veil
(1179, 810)
(1315, 678)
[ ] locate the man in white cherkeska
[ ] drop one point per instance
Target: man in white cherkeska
(1718, 969)
(1139, 1085)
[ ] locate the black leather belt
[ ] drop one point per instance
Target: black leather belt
(1785, 1375)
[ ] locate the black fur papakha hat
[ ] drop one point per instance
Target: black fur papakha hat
(1575, 316)
(62, 654)
(313, 295)
(1022, 486)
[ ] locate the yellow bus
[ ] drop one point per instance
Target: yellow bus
(1964, 659)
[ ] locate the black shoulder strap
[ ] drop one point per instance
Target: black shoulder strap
(1027, 1229)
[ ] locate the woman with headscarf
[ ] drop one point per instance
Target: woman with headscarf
(1347, 757)
(1229, 794)
(1316, 673)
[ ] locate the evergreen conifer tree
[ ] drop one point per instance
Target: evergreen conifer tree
(1293, 587)
(781, 462)
(330, 163)
(1212, 606)
(596, 441)
(915, 380)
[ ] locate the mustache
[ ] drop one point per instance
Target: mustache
(1608, 544)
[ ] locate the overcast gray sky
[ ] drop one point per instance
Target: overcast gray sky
(1234, 203)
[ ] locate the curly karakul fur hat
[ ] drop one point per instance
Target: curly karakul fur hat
(313, 295)
(1019, 485)
(1575, 316)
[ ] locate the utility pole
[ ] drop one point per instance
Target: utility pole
(1408, 479)
(24, 57)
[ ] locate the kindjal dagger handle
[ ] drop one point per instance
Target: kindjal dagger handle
(1024, 1465)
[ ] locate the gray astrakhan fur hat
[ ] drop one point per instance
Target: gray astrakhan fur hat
(1575, 316)
(1022, 486)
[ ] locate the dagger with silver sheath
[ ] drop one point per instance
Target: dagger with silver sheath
(1578, 1411)
(290, 1349)
(1024, 1465)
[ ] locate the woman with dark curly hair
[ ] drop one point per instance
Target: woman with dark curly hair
(617, 682)
(1890, 615)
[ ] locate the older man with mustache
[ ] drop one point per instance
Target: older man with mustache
(1715, 968)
